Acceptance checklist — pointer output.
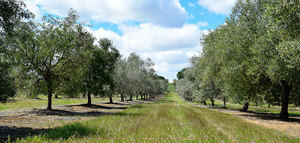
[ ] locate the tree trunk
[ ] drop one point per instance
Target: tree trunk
(122, 98)
(49, 107)
(285, 100)
(212, 102)
(89, 99)
(246, 106)
(224, 102)
(111, 99)
(130, 99)
(49, 92)
(137, 97)
(204, 102)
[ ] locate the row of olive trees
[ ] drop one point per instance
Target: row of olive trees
(134, 76)
(58, 56)
(254, 56)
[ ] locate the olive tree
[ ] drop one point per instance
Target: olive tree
(135, 76)
(12, 13)
(45, 49)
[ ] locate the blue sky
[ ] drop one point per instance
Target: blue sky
(167, 31)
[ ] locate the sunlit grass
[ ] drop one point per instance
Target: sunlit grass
(168, 120)
(171, 87)
(37, 103)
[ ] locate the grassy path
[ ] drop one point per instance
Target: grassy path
(167, 120)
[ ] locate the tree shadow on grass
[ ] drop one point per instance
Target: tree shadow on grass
(260, 115)
(95, 106)
(74, 130)
(269, 116)
(56, 112)
(10, 134)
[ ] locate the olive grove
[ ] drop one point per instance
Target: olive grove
(58, 56)
(253, 56)
(135, 76)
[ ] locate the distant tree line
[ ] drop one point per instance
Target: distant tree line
(58, 56)
(253, 56)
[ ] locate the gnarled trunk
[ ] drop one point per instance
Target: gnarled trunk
(49, 91)
(224, 102)
(204, 102)
(285, 100)
(110, 98)
(122, 98)
(246, 106)
(212, 102)
(49, 107)
(89, 98)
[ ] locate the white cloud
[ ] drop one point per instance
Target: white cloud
(169, 48)
(160, 12)
(217, 6)
(162, 35)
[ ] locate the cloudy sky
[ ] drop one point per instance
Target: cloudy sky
(167, 31)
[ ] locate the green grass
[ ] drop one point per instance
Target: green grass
(168, 120)
(261, 108)
(171, 87)
(37, 103)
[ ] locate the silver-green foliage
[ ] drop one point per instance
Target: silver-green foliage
(254, 52)
(135, 76)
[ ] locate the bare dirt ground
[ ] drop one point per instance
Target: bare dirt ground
(290, 126)
(17, 123)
